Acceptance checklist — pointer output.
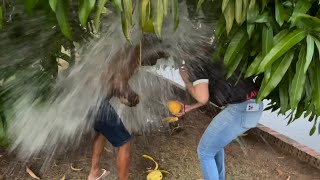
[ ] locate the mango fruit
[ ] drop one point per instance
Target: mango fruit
(174, 107)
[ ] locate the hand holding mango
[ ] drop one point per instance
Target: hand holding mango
(174, 108)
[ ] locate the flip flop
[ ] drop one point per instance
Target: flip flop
(104, 174)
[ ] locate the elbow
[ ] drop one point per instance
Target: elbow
(203, 100)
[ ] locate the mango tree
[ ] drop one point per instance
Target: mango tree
(276, 41)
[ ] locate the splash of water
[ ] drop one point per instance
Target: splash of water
(63, 120)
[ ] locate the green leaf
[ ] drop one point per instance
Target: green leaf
(314, 128)
(127, 9)
(278, 37)
(298, 80)
(300, 7)
(245, 6)
(264, 4)
(270, 107)
(235, 63)
(308, 91)
(117, 4)
(175, 12)
(265, 80)
(143, 11)
(224, 5)
(253, 11)
(316, 83)
(62, 14)
(284, 96)
(299, 111)
(200, 2)
(276, 75)
(318, 44)
(262, 18)
(158, 17)
(30, 4)
(125, 25)
(165, 7)
(319, 123)
(311, 117)
(310, 51)
(287, 3)
(281, 48)
(235, 46)
(220, 27)
(238, 11)
(280, 13)
(97, 15)
(53, 4)
(309, 110)
(1, 17)
(244, 65)
(307, 21)
(126, 17)
(229, 15)
(291, 118)
(267, 40)
(250, 29)
(255, 41)
(252, 69)
(85, 9)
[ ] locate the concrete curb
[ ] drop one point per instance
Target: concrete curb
(289, 145)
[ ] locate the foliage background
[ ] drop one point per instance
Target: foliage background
(277, 42)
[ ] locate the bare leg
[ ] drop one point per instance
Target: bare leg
(123, 161)
(98, 146)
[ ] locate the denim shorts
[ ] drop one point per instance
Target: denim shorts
(108, 123)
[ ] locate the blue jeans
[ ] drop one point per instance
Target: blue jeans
(233, 121)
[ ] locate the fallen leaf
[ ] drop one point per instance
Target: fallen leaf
(244, 134)
(75, 169)
(280, 173)
(31, 173)
(108, 150)
(63, 178)
(55, 164)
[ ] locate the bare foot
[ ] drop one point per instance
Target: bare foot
(98, 175)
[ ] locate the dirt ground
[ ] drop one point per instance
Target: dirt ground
(246, 159)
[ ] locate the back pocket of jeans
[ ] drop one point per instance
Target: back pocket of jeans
(249, 119)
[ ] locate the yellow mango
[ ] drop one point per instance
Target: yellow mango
(174, 106)
(171, 119)
(154, 175)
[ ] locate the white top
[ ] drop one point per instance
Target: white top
(200, 81)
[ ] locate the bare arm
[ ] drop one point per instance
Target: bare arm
(200, 92)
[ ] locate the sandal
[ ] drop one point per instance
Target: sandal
(104, 174)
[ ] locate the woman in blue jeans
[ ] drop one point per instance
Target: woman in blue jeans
(235, 96)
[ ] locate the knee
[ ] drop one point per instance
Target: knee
(99, 137)
(202, 152)
(206, 153)
(125, 149)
